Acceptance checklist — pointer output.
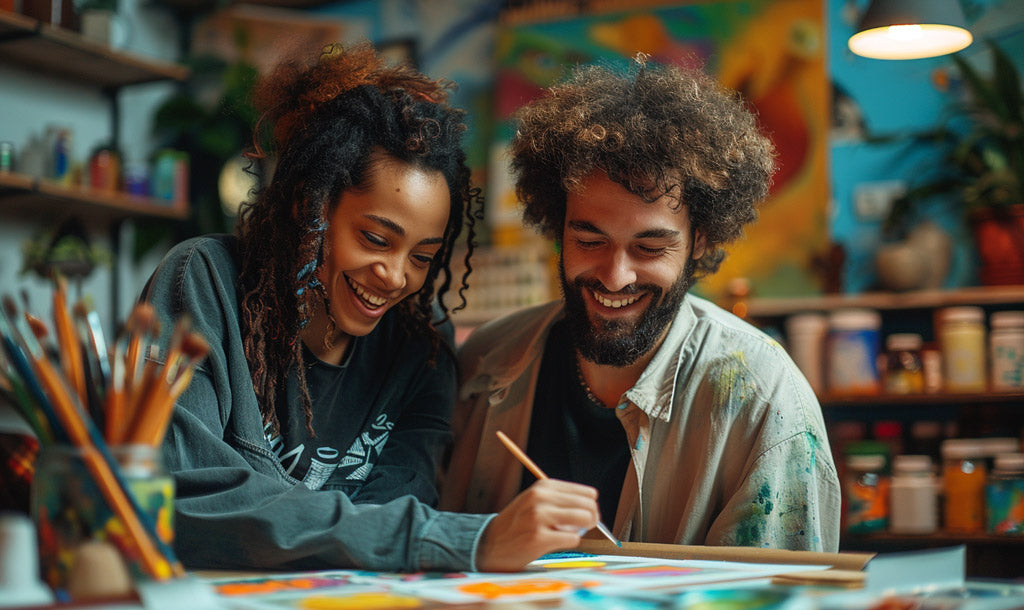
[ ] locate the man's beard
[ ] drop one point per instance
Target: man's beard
(620, 342)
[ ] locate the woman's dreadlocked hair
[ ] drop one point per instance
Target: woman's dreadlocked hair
(328, 121)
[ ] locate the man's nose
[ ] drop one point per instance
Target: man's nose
(616, 271)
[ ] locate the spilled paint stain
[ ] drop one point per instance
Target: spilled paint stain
(764, 498)
(732, 384)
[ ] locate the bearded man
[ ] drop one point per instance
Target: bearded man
(694, 426)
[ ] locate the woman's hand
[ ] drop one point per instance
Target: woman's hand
(548, 516)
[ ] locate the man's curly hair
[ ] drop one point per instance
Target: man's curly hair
(328, 123)
(656, 130)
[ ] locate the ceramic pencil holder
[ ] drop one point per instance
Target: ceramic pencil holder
(85, 549)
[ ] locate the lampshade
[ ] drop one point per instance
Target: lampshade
(910, 29)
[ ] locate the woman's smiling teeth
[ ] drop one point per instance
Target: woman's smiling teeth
(617, 303)
(371, 300)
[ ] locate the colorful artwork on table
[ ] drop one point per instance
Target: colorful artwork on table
(771, 51)
(582, 577)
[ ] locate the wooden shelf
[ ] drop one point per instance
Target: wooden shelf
(936, 539)
(891, 400)
(33, 44)
(888, 301)
(35, 198)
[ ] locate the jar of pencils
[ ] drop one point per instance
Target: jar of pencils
(88, 529)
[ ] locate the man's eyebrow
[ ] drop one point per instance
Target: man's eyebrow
(398, 229)
(657, 234)
(583, 225)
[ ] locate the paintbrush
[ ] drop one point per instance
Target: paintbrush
(151, 426)
(92, 330)
(537, 472)
(141, 324)
(15, 344)
(124, 361)
(13, 390)
(69, 348)
(156, 557)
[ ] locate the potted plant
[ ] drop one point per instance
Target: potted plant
(983, 173)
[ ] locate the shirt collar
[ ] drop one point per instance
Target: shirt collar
(654, 391)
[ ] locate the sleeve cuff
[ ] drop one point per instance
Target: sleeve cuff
(450, 541)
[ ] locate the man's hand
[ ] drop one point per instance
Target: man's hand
(548, 516)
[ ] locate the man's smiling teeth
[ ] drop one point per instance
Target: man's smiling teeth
(616, 303)
(366, 296)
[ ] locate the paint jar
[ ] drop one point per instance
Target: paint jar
(805, 337)
(1004, 496)
(73, 516)
(1006, 351)
(931, 368)
(853, 349)
(962, 340)
(963, 478)
(6, 157)
(913, 496)
(904, 373)
(866, 494)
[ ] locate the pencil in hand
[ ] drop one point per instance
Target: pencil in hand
(537, 472)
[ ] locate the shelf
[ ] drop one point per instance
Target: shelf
(891, 400)
(936, 539)
(34, 197)
(33, 44)
(888, 301)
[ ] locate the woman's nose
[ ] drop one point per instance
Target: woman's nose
(391, 274)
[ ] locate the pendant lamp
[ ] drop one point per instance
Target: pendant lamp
(910, 29)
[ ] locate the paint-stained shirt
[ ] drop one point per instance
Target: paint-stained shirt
(727, 439)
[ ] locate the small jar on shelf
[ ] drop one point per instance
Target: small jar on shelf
(866, 492)
(904, 373)
(963, 480)
(1004, 496)
(961, 332)
(913, 496)
(1006, 351)
(853, 350)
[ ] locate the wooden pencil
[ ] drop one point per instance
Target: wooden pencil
(151, 427)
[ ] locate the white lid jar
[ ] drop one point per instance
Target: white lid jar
(913, 496)
(961, 332)
(853, 350)
(1006, 351)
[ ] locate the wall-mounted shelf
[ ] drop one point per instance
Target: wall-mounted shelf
(883, 401)
(888, 301)
(33, 44)
(33, 197)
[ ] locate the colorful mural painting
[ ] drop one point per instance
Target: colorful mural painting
(771, 51)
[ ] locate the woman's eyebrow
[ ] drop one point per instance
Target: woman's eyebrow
(387, 223)
(399, 230)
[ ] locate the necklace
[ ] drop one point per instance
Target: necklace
(586, 386)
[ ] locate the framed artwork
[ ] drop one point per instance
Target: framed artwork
(771, 51)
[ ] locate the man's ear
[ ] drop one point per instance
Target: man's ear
(699, 245)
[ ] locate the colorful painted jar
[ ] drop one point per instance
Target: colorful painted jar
(866, 494)
(70, 509)
(1004, 496)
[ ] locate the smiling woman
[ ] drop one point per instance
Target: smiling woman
(312, 434)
